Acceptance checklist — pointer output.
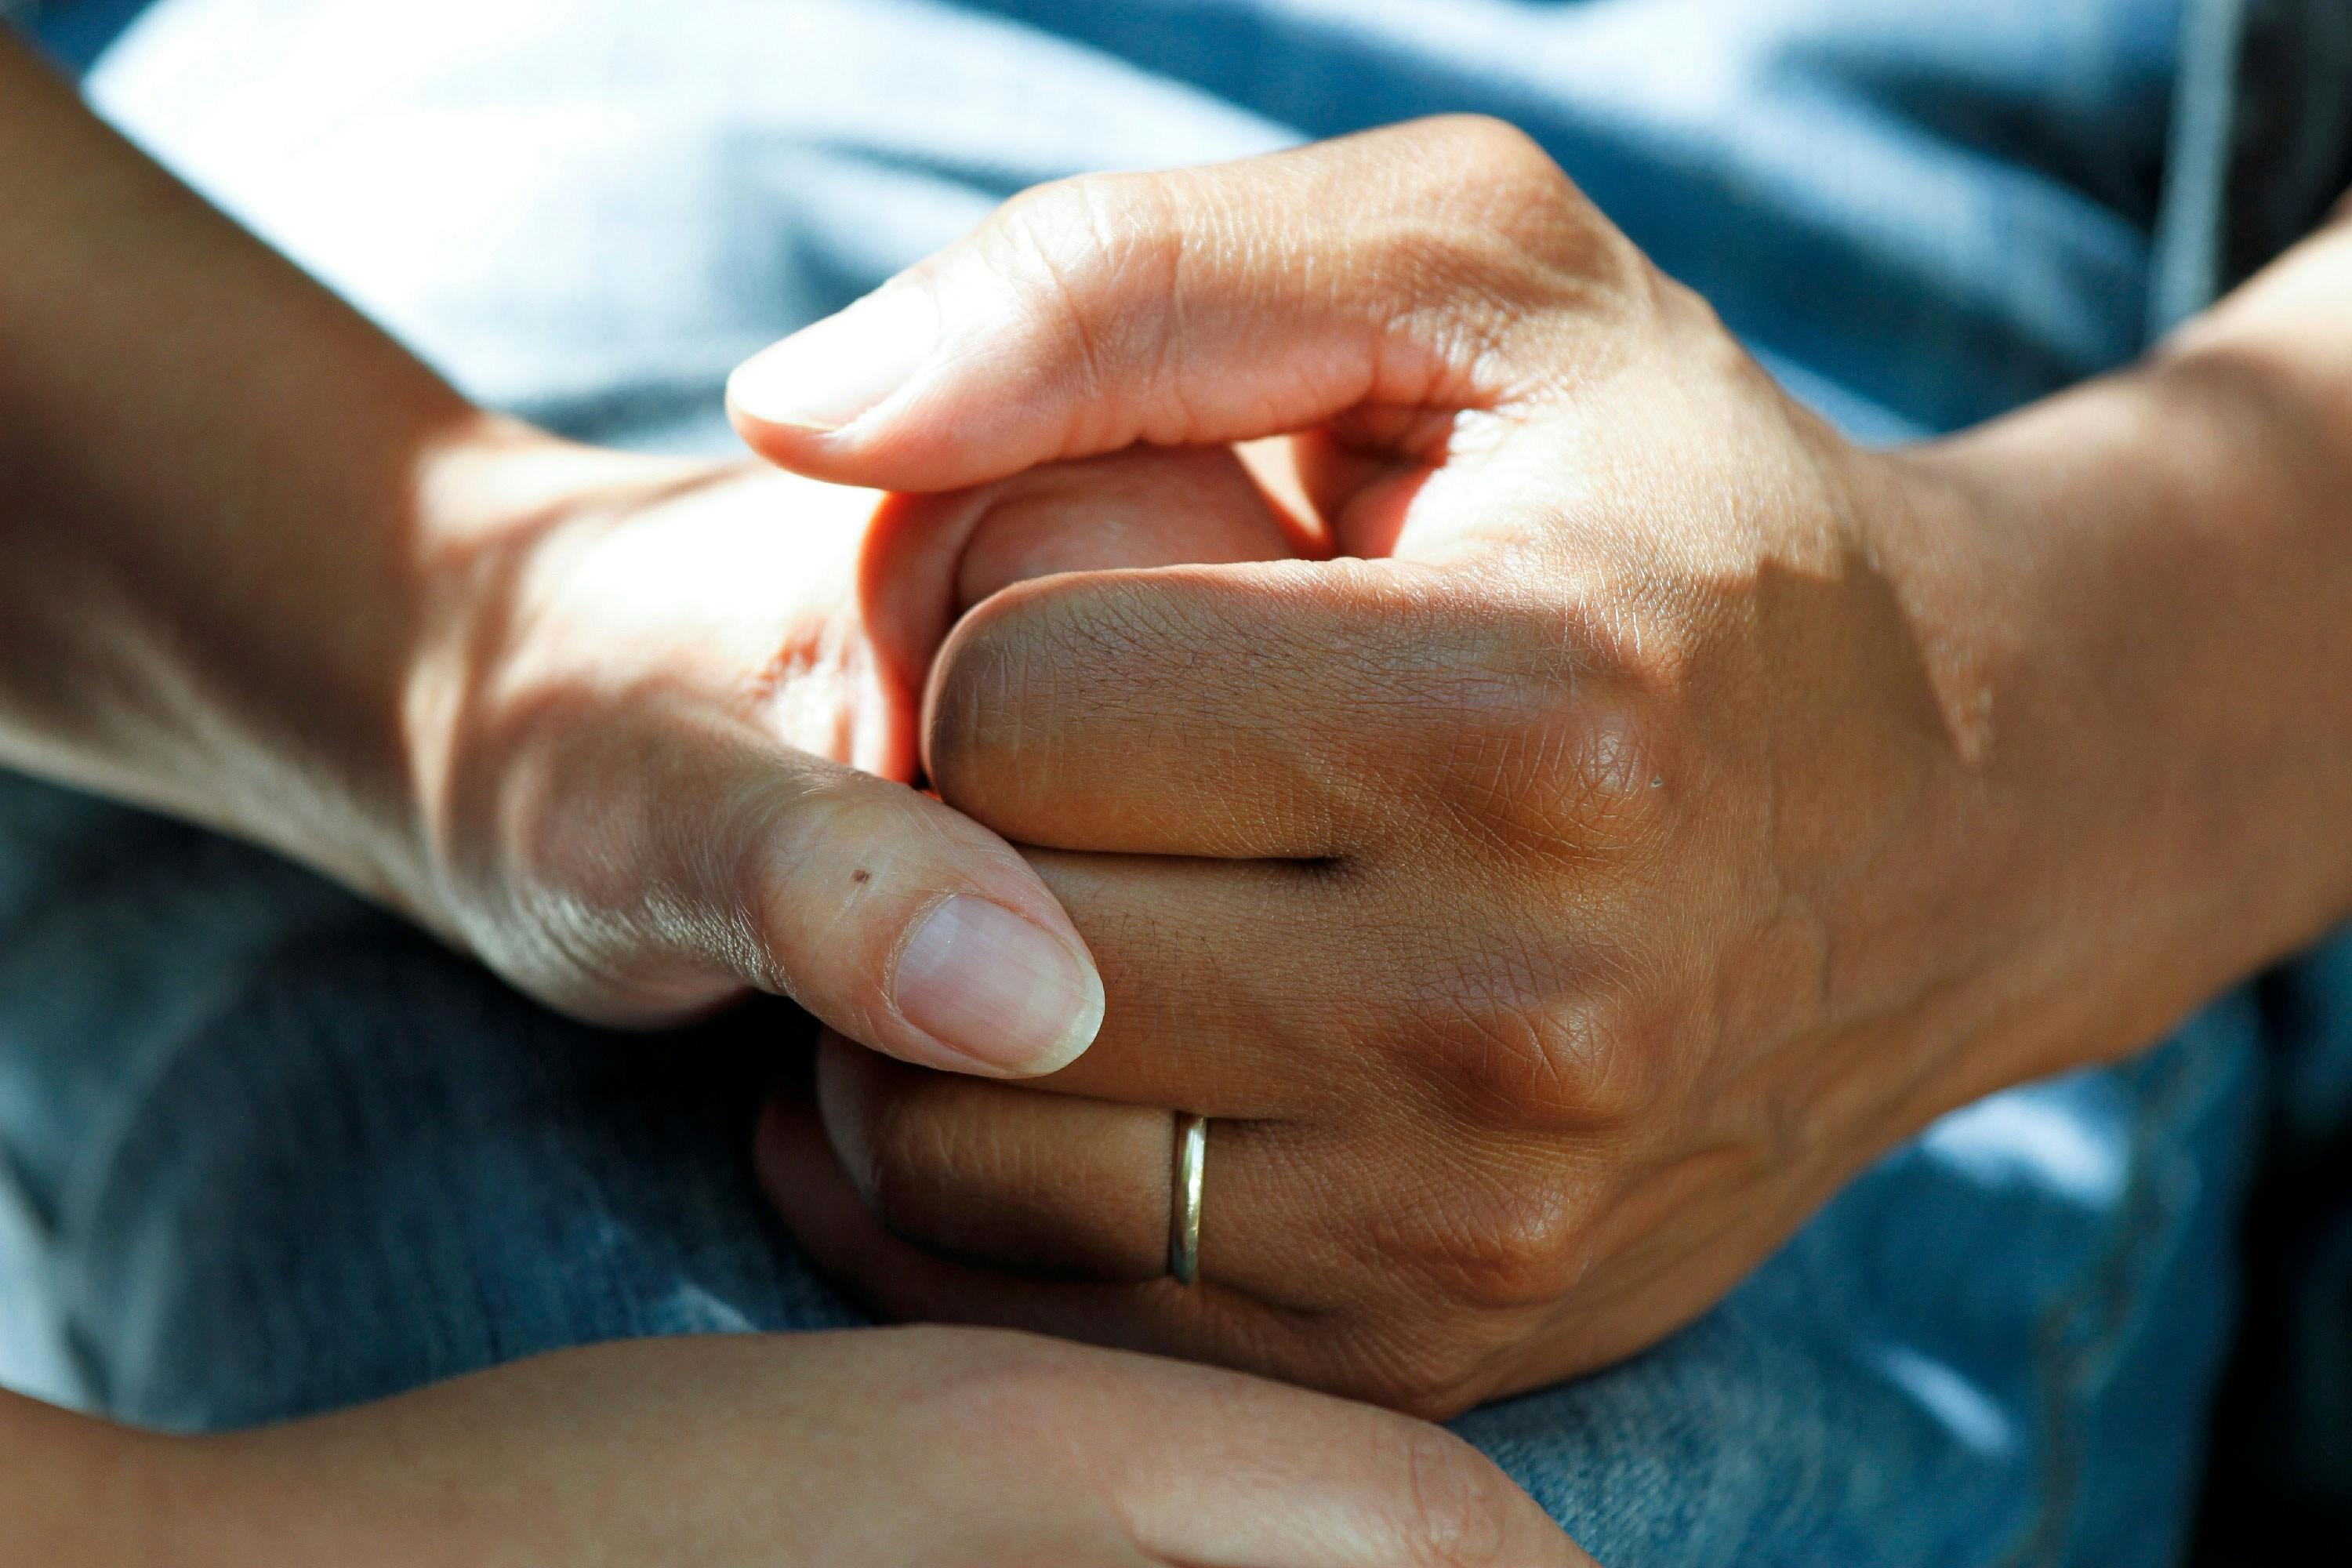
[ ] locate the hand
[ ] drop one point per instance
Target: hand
(662, 739)
(593, 717)
(881, 1448)
(1662, 808)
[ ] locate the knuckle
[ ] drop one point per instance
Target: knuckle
(1557, 735)
(1522, 205)
(1518, 1065)
(1599, 774)
(1069, 252)
(1581, 1064)
(1559, 774)
(1606, 1052)
(1530, 1031)
(584, 846)
(1482, 150)
(778, 835)
(1495, 1246)
(1088, 217)
(794, 821)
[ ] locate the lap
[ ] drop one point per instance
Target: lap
(358, 1164)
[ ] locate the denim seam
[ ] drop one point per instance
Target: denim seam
(2079, 1332)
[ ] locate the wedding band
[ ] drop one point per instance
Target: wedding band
(1184, 1208)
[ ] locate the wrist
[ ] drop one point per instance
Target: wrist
(2148, 578)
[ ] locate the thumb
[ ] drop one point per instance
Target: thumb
(897, 921)
(906, 925)
(1404, 277)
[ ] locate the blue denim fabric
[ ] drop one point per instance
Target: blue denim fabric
(277, 1153)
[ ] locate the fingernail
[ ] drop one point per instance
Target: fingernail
(980, 979)
(826, 375)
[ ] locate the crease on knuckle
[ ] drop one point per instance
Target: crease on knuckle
(1073, 253)
(1554, 782)
(1524, 1031)
(1532, 709)
(1585, 1064)
(1500, 1248)
(1504, 225)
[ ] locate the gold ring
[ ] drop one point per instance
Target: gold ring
(1184, 1208)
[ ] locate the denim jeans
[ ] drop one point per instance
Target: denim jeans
(270, 1152)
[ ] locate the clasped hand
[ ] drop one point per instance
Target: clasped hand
(1401, 682)
(1552, 897)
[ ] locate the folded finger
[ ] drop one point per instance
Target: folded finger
(1216, 976)
(1051, 1186)
(1273, 710)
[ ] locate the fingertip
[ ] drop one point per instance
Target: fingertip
(906, 925)
(779, 444)
(833, 372)
(810, 452)
(998, 987)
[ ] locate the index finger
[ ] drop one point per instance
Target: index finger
(1267, 711)
(1409, 272)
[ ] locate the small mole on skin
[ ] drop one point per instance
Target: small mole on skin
(861, 876)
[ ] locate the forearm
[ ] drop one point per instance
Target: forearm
(75, 1491)
(217, 486)
(2164, 652)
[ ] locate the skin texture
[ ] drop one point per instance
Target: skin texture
(592, 718)
(951, 1448)
(1515, 1064)
(269, 573)
(658, 750)
(1656, 809)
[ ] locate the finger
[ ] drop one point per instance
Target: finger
(799, 1171)
(1053, 1185)
(928, 558)
(1402, 277)
(1277, 709)
(1285, 1479)
(1280, 1478)
(1215, 977)
(914, 930)
(718, 851)
(1142, 508)
(1203, 1321)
